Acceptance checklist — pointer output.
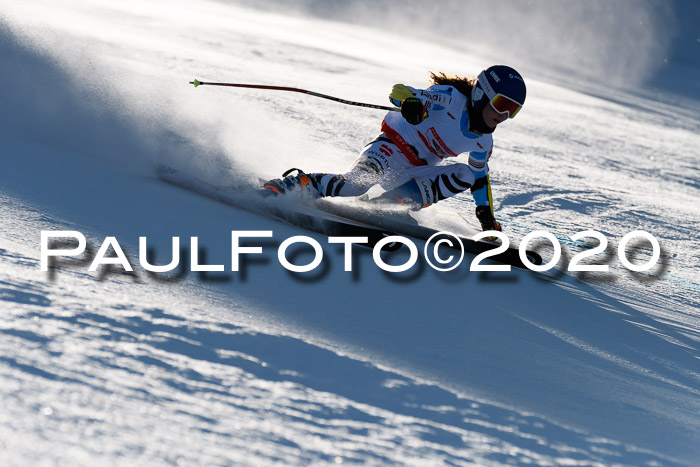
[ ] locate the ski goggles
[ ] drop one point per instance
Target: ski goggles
(504, 104)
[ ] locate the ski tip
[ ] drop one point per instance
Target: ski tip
(196, 82)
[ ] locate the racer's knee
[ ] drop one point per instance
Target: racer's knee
(454, 181)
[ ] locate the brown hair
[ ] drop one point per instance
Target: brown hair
(463, 85)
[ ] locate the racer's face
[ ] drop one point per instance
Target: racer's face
(491, 117)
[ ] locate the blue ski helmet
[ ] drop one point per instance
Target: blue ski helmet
(496, 82)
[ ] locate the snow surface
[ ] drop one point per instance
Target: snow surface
(264, 366)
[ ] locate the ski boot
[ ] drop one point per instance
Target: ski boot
(299, 183)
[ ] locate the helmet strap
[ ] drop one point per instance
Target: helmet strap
(486, 86)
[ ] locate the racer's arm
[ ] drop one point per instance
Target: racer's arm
(400, 92)
(481, 190)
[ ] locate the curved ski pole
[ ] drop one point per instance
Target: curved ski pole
(196, 83)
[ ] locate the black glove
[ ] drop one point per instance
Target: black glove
(488, 222)
(413, 110)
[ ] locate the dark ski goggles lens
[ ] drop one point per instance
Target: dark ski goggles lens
(503, 104)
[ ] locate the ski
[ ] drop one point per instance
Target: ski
(409, 227)
(305, 217)
(338, 219)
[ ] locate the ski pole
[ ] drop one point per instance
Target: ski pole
(196, 83)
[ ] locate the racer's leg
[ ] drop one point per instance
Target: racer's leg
(426, 185)
(379, 163)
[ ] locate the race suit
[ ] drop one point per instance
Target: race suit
(403, 151)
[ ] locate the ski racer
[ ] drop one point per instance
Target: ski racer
(409, 158)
